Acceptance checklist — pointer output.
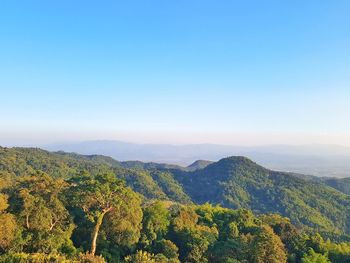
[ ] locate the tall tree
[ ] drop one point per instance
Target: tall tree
(98, 196)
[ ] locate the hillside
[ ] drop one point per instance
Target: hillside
(58, 199)
(314, 159)
(197, 165)
(234, 182)
(237, 182)
(341, 184)
(26, 161)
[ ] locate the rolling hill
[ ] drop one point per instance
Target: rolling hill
(237, 182)
(313, 159)
(234, 182)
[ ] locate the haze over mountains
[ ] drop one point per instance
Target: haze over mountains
(319, 160)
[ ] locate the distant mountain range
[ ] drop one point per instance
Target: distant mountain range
(319, 160)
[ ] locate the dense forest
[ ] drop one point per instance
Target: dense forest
(62, 207)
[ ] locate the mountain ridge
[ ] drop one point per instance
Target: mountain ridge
(319, 160)
(233, 182)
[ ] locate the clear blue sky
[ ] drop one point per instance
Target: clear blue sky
(175, 71)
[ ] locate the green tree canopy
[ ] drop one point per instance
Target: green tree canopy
(313, 257)
(8, 224)
(42, 213)
(97, 196)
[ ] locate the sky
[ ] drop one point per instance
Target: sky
(185, 71)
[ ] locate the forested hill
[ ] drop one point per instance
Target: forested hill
(341, 184)
(63, 207)
(234, 182)
(238, 182)
(152, 184)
